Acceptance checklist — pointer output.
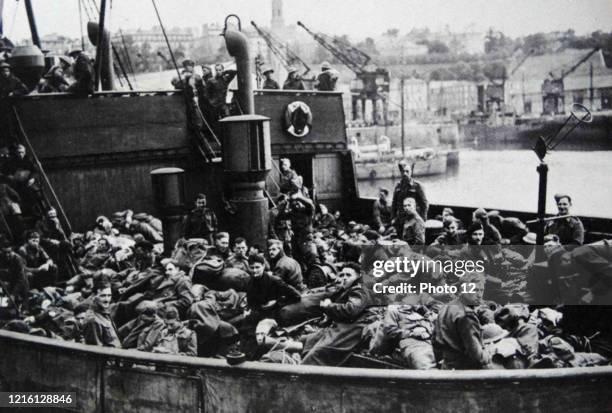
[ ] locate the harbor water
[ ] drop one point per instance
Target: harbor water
(508, 180)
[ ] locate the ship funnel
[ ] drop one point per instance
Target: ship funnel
(238, 47)
(107, 74)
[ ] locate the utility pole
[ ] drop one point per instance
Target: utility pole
(403, 114)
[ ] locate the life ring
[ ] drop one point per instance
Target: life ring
(298, 119)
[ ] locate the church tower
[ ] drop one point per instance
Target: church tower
(278, 21)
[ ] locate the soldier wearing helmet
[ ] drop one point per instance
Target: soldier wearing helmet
(10, 85)
(293, 81)
(327, 79)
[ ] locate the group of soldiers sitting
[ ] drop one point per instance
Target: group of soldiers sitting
(73, 74)
(303, 298)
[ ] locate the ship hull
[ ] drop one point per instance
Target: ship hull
(102, 377)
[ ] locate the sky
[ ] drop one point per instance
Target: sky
(357, 18)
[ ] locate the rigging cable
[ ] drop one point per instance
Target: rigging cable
(167, 41)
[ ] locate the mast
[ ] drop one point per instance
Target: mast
(591, 91)
(403, 120)
(101, 43)
(32, 22)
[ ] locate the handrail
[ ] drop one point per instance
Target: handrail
(365, 374)
(62, 214)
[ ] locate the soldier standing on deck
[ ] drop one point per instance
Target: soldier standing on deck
(326, 80)
(293, 81)
(201, 221)
(217, 90)
(269, 83)
(406, 188)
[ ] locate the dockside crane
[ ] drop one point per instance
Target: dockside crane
(496, 89)
(286, 56)
(370, 84)
(553, 89)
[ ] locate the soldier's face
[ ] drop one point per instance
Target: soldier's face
(347, 275)
(173, 323)
(406, 172)
(34, 242)
(6, 72)
(563, 206)
(219, 69)
(222, 244)
(474, 295)
(452, 228)
(258, 269)
(6, 251)
(273, 251)
(103, 297)
(477, 237)
(21, 152)
(200, 203)
(240, 249)
(409, 205)
(171, 270)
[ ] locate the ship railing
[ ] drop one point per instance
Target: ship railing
(102, 377)
(46, 183)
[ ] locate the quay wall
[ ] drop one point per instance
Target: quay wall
(111, 380)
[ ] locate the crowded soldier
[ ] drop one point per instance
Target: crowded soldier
(381, 211)
(409, 226)
(54, 81)
(316, 305)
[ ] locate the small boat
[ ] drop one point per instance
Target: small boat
(380, 161)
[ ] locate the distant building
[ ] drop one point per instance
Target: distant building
(453, 97)
(523, 91)
(155, 37)
(56, 44)
(398, 46)
(464, 42)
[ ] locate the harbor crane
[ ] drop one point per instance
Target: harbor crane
(371, 83)
(286, 56)
(553, 89)
(496, 89)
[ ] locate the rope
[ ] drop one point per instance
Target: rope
(161, 24)
(13, 19)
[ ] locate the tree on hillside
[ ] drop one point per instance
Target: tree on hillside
(536, 42)
(368, 46)
(436, 46)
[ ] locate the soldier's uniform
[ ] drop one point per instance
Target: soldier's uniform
(569, 230)
(99, 329)
(457, 339)
(412, 189)
(200, 223)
